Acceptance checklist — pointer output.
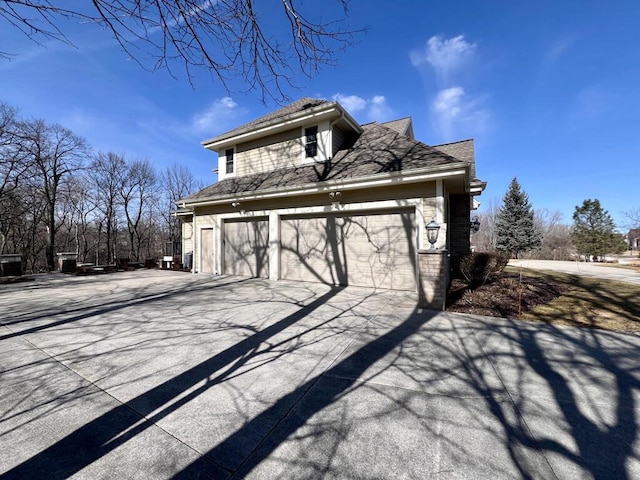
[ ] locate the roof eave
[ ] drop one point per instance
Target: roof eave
(370, 181)
(476, 187)
(318, 113)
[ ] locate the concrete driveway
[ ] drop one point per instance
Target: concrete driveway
(589, 269)
(155, 375)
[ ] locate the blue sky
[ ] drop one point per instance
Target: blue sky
(549, 90)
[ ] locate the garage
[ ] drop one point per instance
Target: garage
(246, 247)
(373, 250)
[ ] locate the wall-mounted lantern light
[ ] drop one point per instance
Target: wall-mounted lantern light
(475, 224)
(235, 204)
(432, 232)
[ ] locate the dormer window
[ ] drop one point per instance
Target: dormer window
(229, 160)
(311, 141)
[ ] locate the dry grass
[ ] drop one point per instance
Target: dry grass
(555, 298)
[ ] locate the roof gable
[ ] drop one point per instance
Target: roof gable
(404, 126)
(462, 150)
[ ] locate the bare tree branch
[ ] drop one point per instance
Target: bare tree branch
(632, 218)
(226, 38)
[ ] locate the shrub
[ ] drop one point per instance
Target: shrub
(478, 267)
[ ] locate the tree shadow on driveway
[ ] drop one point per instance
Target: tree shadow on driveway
(107, 432)
(413, 394)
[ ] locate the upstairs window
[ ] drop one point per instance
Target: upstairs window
(229, 158)
(311, 141)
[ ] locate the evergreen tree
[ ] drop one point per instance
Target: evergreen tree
(516, 231)
(593, 230)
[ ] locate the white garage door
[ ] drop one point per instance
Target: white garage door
(373, 250)
(246, 248)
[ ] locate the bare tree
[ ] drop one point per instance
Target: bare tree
(12, 167)
(484, 240)
(80, 204)
(27, 235)
(139, 187)
(556, 236)
(177, 182)
(54, 153)
(13, 162)
(106, 173)
(632, 218)
(231, 37)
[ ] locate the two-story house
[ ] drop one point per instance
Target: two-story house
(306, 193)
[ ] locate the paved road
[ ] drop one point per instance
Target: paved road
(590, 269)
(157, 375)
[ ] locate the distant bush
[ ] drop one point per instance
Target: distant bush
(478, 267)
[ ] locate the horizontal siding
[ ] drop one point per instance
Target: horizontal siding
(270, 153)
(187, 237)
(337, 141)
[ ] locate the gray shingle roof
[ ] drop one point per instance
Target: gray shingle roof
(273, 117)
(402, 126)
(462, 150)
(378, 150)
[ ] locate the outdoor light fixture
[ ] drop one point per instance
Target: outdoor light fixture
(475, 224)
(432, 232)
(335, 197)
(235, 204)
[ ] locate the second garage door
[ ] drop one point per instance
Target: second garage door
(246, 248)
(373, 250)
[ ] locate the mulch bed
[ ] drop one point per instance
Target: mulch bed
(503, 296)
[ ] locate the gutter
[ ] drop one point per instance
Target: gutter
(393, 178)
(476, 187)
(278, 125)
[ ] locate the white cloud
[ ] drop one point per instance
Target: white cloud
(221, 114)
(352, 103)
(454, 113)
(446, 108)
(445, 55)
(379, 111)
(374, 109)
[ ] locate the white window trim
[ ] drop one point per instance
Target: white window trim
(324, 142)
(306, 159)
(224, 164)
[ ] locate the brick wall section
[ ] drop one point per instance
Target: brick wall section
(433, 278)
(459, 230)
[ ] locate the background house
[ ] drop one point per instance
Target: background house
(306, 193)
(634, 239)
